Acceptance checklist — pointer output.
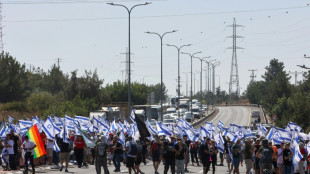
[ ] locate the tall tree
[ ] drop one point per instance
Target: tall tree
(13, 78)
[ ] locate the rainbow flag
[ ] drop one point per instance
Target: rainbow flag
(34, 135)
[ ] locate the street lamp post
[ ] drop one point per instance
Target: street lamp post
(191, 98)
(208, 62)
(129, 49)
(186, 83)
(161, 66)
(201, 59)
(179, 48)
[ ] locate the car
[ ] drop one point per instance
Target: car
(169, 121)
(255, 114)
(196, 112)
(188, 117)
(167, 116)
(170, 110)
(174, 115)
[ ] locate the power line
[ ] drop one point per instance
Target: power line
(157, 16)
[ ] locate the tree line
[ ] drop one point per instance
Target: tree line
(56, 93)
(278, 97)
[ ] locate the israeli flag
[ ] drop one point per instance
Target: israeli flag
(50, 128)
(284, 134)
(2, 130)
(56, 148)
(204, 132)
(191, 135)
(219, 142)
(69, 122)
(64, 133)
(57, 121)
(24, 125)
(10, 119)
(82, 120)
(149, 127)
(270, 134)
(114, 126)
(162, 129)
(132, 115)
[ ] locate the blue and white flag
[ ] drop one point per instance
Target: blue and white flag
(69, 122)
(56, 147)
(219, 142)
(10, 119)
(82, 120)
(162, 129)
(149, 127)
(24, 125)
(50, 128)
(132, 115)
(121, 139)
(3, 130)
(114, 126)
(191, 135)
(270, 133)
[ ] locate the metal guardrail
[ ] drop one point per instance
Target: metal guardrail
(252, 105)
(203, 119)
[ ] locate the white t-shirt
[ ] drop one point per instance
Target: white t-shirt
(10, 149)
(28, 144)
(50, 144)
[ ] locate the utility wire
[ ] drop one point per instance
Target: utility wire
(157, 16)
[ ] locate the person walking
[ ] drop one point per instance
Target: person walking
(101, 155)
(28, 147)
(193, 152)
(138, 159)
(169, 155)
(64, 154)
(155, 148)
(213, 151)
(236, 151)
(287, 159)
(180, 151)
(132, 150)
(205, 155)
(79, 146)
(117, 149)
(10, 151)
(280, 157)
(16, 149)
(187, 143)
(248, 155)
(265, 154)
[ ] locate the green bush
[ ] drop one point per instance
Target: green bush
(14, 106)
(40, 101)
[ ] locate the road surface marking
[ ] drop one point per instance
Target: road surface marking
(250, 117)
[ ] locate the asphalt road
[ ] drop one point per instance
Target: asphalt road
(147, 169)
(240, 115)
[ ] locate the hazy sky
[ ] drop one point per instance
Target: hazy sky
(93, 35)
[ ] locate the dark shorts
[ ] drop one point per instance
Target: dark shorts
(275, 164)
(155, 157)
(236, 162)
(206, 163)
(221, 155)
(130, 162)
(257, 164)
(138, 161)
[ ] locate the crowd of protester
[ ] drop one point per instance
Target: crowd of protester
(174, 153)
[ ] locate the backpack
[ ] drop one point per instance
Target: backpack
(101, 149)
(266, 155)
(133, 149)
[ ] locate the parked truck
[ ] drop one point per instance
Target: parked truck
(184, 103)
(143, 111)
